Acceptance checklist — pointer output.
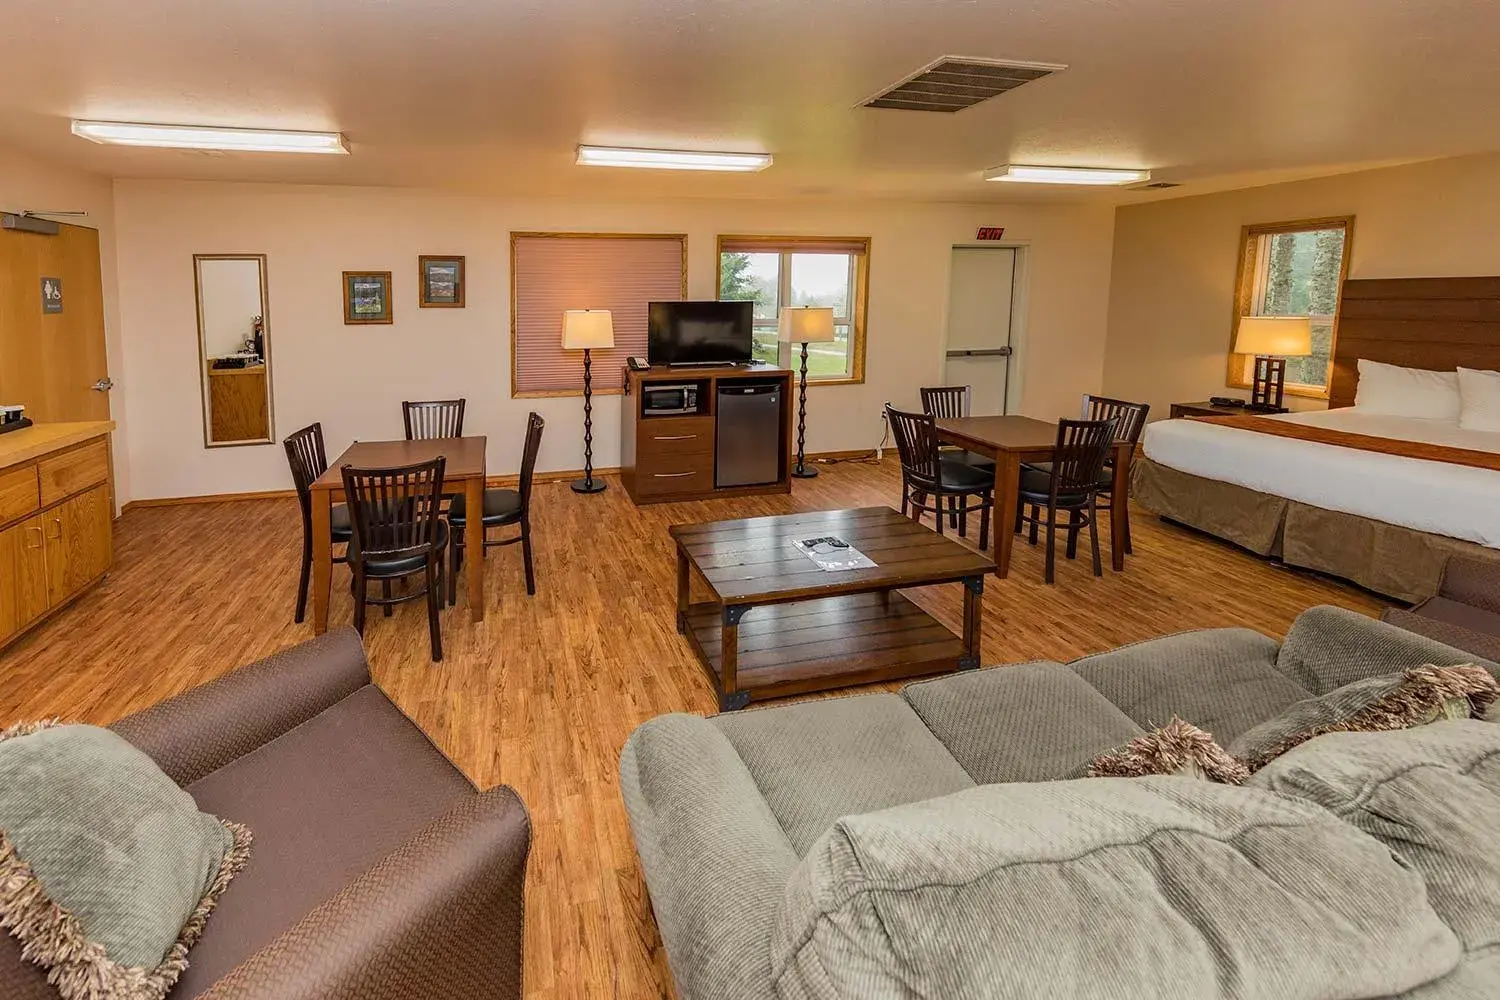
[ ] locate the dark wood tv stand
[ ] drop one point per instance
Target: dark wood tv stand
(670, 457)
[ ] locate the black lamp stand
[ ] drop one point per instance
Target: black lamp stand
(800, 470)
(1268, 387)
(588, 484)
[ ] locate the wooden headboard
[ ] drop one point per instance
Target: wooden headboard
(1434, 323)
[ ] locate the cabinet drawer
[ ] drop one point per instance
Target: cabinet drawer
(18, 493)
(73, 471)
(675, 435)
(668, 474)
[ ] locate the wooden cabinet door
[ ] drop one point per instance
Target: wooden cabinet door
(78, 543)
(23, 576)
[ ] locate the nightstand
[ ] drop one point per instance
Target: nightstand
(1207, 409)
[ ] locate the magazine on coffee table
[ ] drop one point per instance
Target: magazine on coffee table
(832, 554)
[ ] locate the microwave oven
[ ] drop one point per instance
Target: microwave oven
(669, 399)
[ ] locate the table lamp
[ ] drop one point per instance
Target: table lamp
(1272, 339)
(586, 329)
(804, 325)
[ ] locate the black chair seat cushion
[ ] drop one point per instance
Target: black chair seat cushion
(339, 524)
(959, 475)
(405, 566)
(1037, 485)
(500, 507)
(1107, 483)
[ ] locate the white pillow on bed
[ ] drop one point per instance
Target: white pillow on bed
(1481, 400)
(1407, 392)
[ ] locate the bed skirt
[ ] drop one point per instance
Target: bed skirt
(1397, 562)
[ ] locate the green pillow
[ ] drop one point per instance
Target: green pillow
(108, 871)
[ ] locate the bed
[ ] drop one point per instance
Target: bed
(1386, 521)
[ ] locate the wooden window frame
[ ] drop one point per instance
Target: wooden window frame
(1249, 280)
(859, 289)
(514, 238)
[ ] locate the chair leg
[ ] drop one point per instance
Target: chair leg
(986, 501)
(953, 515)
(1075, 525)
(385, 592)
(1020, 516)
(1036, 516)
(453, 557)
(963, 517)
(1094, 536)
(1051, 543)
(434, 602)
(303, 579)
(526, 559)
(938, 514)
(359, 601)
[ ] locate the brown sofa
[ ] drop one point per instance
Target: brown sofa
(378, 871)
(1465, 611)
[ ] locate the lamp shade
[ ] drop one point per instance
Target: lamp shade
(1279, 336)
(587, 328)
(805, 325)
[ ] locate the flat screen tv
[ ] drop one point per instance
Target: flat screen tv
(699, 333)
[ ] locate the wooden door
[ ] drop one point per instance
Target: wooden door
(78, 543)
(23, 576)
(49, 362)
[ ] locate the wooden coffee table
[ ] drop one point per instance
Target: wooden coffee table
(812, 630)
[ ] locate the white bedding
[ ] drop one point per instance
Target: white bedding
(1437, 497)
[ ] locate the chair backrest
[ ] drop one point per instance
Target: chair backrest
(1083, 446)
(304, 453)
(433, 418)
(1131, 416)
(917, 444)
(946, 400)
(534, 427)
(395, 512)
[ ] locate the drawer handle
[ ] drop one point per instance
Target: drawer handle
(57, 522)
(671, 475)
(39, 536)
(675, 437)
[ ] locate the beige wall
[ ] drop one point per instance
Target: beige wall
(27, 184)
(353, 378)
(1174, 262)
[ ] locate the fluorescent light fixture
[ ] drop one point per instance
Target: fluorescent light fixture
(239, 140)
(671, 159)
(1101, 176)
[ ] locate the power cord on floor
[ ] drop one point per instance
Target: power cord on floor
(869, 457)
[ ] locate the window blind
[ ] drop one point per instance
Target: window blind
(856, 245)
(551, 274)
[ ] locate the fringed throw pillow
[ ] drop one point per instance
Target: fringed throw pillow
(1178, 748)
(1394, 701)
(108, 871)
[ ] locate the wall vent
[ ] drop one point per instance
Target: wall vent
(953, 83)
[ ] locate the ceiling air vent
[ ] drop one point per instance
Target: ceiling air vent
(952, 84)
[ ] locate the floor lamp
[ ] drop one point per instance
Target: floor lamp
(586, 329)
(804, 325)
(1272, 339)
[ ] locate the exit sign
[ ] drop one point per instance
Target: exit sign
(990, 233)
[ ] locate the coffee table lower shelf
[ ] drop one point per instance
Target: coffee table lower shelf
(789, 649)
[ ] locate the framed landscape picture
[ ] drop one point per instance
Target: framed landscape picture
(367, 297)
(441, 280)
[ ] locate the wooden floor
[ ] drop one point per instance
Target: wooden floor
(542, 694)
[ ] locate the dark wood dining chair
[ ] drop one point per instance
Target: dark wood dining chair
(1071, 485)
(501, 507)
(926, 473)
(433, 418)
(305, 454)
(399, 533)
(1131, 418)
(954, 401)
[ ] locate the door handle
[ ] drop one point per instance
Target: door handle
(103, 385)
(671, 475)
(39, 535)
(993, 352)
(675, 437)
(57, 522)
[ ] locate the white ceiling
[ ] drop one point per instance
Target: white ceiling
(493, 95)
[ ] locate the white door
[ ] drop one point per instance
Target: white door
(980, 288)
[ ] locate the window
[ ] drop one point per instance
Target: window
(777, 271)
(1294, 269)
(553, 272)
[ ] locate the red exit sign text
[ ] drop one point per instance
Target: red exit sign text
(990, 233)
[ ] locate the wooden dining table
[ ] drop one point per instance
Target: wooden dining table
(464, 468)
(1011, 441)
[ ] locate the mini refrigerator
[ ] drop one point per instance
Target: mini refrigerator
(748, 438)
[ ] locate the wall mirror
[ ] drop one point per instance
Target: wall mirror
(234, 348)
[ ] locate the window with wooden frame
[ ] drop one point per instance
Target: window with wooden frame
(551, 273)
(1293, 269)
(777, 271)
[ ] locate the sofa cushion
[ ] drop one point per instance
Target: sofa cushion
(326, 801)
(1104, 889)
(1031, 722)
(1432, 794)
(1329, 647)
(1220, 680)
(1467, 616)
(820, 760)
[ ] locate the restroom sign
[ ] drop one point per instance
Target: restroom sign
(990, 233)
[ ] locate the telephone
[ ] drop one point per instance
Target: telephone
(638, 364)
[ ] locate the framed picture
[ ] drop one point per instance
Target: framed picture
(367, 296)
(441, 280)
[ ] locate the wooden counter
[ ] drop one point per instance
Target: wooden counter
(238, 404)
(56, 519)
